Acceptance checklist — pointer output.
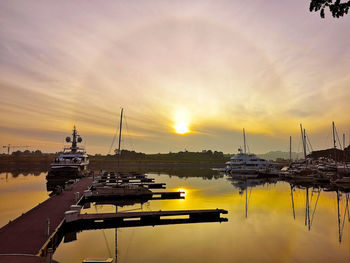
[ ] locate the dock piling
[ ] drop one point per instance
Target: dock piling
(48, 226)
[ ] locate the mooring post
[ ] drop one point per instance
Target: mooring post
(48, 226)
(77, 196)
(49, 255)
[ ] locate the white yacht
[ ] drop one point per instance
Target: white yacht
(247, 165)
(243, 163)
(72, 162)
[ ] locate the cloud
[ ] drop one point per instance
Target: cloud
(227, 64)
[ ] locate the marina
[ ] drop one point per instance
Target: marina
(269, 208)
(174, 131)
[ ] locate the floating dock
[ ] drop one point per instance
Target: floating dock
(78, 222)
(146, 196)
(145, 216)
(29, 232)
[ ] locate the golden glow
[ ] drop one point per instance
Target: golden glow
(181, 121)
(183, 192)
(181, 128)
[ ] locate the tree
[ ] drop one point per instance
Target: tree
(336, 7)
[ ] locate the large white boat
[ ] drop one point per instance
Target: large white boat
(72, 162)
(247, 165)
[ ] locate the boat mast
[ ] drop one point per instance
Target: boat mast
(334, 143)
(303, 140)
(344, 155)
(245, 146)
(305, 143)
(120, 134)
(290, 149)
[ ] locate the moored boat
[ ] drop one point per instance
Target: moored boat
(72, 162)
(248, 165)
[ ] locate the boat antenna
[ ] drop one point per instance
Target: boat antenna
(120, 134)
(74, 140)
(245, 146)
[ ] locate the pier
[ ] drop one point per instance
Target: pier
(76, 222)
(29, 232)
(137, 219)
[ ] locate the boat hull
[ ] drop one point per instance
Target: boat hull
(69, 172)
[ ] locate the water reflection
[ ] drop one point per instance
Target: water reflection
(312, 196)
(267, 218)
(19, 192)
(245, 186)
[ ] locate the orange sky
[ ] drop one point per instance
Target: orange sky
(211, 67)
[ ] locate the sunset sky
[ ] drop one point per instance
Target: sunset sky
(208, 68)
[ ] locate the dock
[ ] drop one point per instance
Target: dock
(76, 222)
(39, 231)
(80, 222)
(146, 216)
(145, 197)
(29, 232)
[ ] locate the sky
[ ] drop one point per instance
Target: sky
(203, 68)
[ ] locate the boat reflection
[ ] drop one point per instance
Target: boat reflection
(310, 198)
(310, 192)
(247, 185)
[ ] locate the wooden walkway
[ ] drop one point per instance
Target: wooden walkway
(28, 233)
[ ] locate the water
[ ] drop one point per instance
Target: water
(260, 228)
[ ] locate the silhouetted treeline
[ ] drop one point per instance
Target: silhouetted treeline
(27, 157)
(37, 157)
(205, 155)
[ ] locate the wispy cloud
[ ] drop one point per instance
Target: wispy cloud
(228, 64)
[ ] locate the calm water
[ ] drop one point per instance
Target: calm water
(260, 228)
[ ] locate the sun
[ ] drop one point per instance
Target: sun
(181, 127)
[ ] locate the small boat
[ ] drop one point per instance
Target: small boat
(72, 163)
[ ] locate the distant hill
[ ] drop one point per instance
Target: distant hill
(274, 155)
